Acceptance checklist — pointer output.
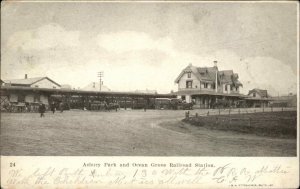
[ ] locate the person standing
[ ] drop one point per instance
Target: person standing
(61, 107)
(42, 109)
(53, 107)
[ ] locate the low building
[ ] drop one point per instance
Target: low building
(147, 91)
(66, 86)
(22, 98)
(37, 82)
(95, 86)
(258, 98)
(205, 85)
(285, 101)
(258, 93)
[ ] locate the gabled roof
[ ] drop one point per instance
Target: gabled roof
(28, 81)
(208, 74)
(262, 93)
(189, 68)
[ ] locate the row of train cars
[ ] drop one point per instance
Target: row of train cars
(102, 105)
(156, 103)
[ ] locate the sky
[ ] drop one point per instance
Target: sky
(146, 45)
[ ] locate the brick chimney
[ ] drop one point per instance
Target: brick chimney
(215, 64)
(25, 76)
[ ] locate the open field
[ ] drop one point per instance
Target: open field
(129, 133)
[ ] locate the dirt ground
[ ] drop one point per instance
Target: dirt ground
(128, 133)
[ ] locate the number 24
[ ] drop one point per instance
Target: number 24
(12, 164)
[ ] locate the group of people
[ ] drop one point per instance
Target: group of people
(53, 107)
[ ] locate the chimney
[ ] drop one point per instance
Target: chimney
(25, 76)
(93, 84)
(215, 64)
(190, 64)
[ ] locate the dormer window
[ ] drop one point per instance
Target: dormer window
(189, 74)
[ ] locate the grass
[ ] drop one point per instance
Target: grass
(272, 124)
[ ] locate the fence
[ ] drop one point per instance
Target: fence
(241, 111)
(224, 115)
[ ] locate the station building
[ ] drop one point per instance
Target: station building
(22, 97)
(258, 98)
(206, 85)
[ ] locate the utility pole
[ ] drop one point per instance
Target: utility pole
(216, 67)
(100, 75)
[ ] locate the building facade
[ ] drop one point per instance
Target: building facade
(258, 98)
(26, 98)
(205, 86)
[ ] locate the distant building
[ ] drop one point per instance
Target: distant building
(95, 86)
(285, 101)
(37, 82)
(258, 93)
(66, 86)
(258, 98)
(146, 91)
(28, 97)
(205, 85)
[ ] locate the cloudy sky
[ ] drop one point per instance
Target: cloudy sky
(146, 45)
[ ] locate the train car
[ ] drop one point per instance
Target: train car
(162, 103)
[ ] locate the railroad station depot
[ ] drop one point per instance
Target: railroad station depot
(198, 87)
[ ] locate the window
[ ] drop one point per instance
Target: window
(36, 86)
(225, 87)
(237, 88)
(254, 94)
(189, 74)
(231, 88)
(205, 85)
(189, 84)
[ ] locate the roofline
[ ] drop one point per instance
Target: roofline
(212, 93)
(83, 92)
(48, 79)
(41, 78)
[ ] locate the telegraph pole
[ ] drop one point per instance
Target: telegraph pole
(100, 75)
(216, 66)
